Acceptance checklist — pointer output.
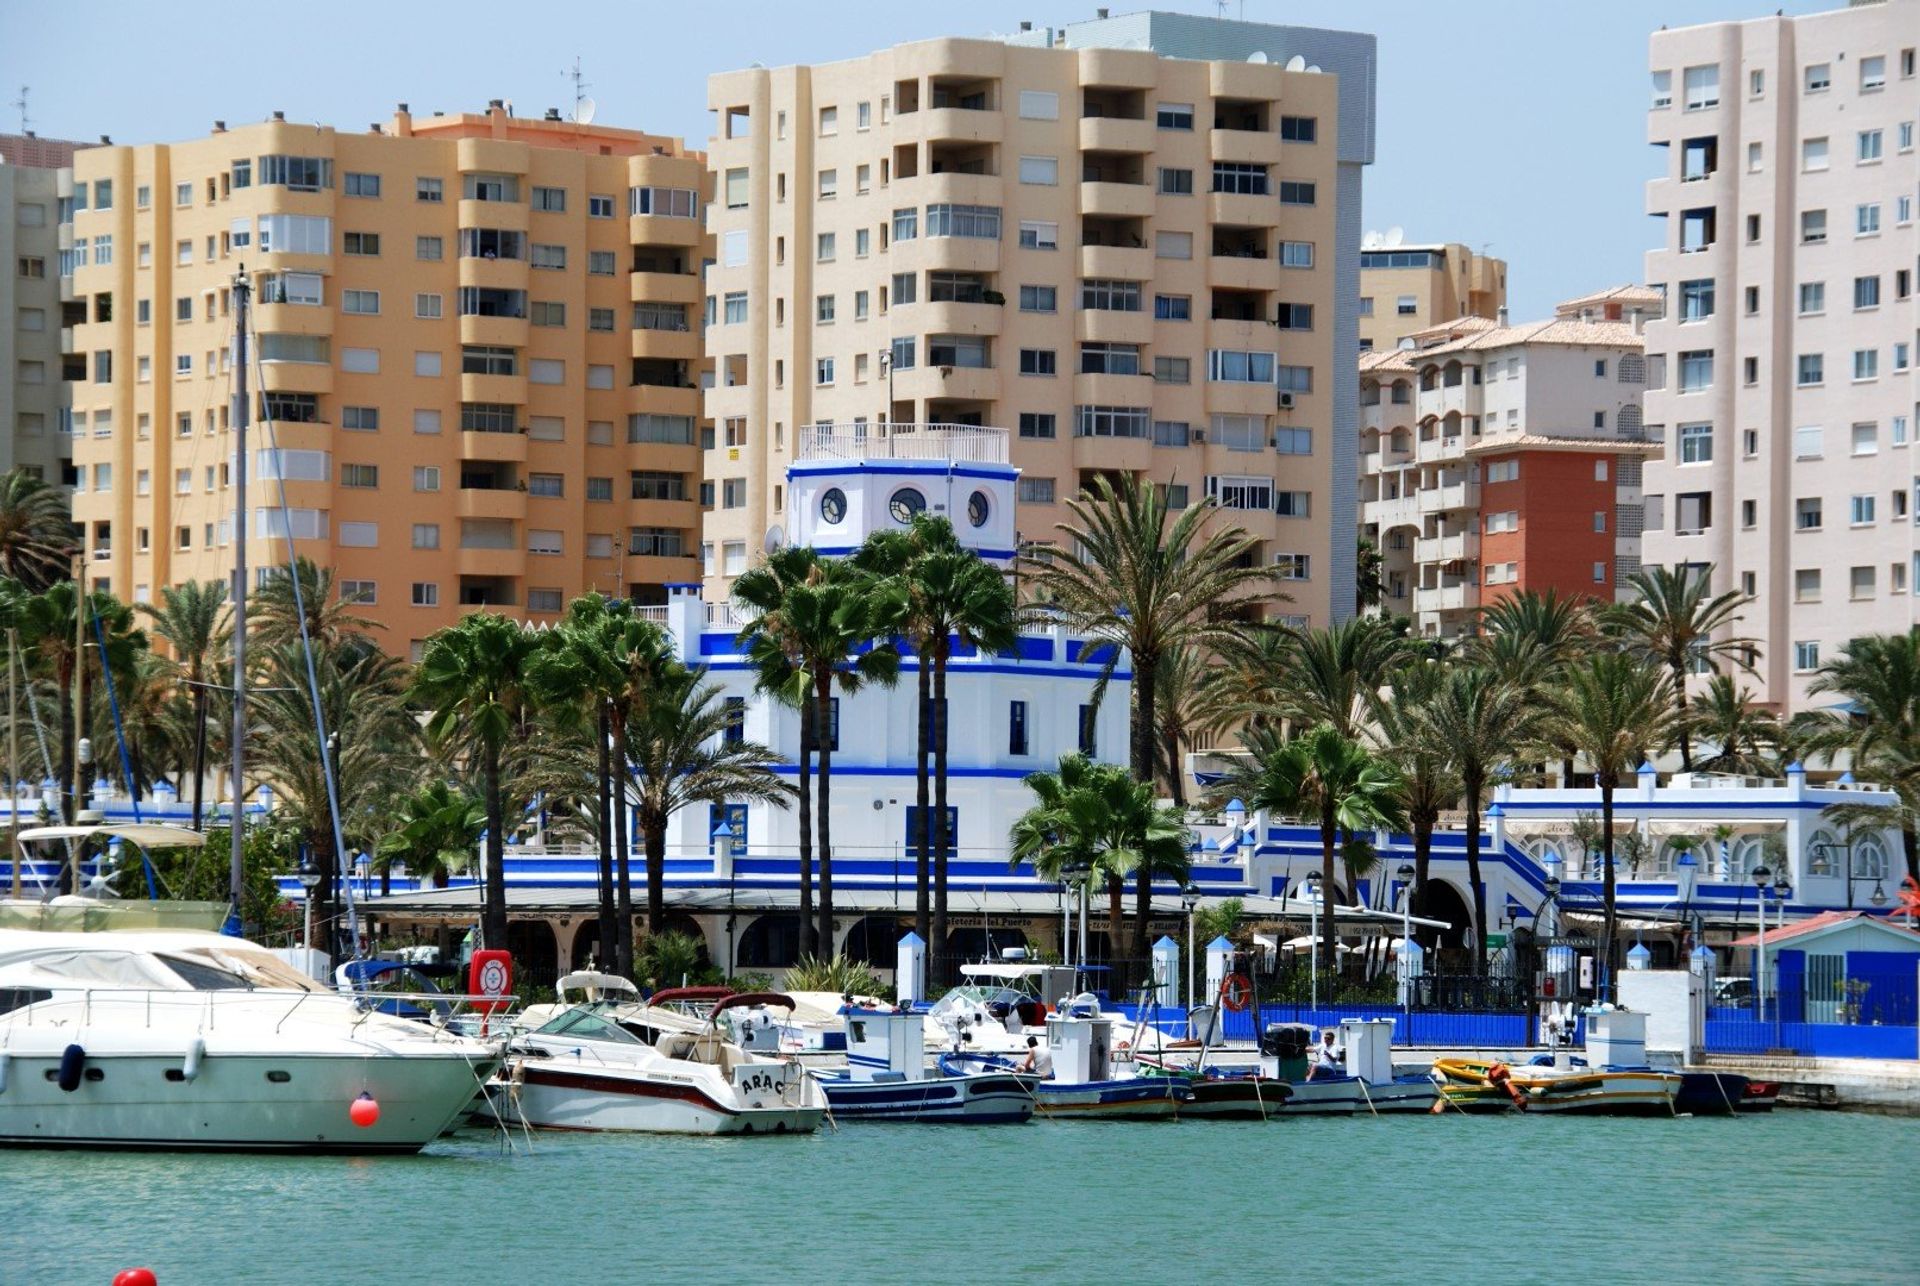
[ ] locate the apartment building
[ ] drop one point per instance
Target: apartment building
(489, 321)
(1407, 288)
(1783, 374)
(1497, 458)
(1123, 241)
(36, 184)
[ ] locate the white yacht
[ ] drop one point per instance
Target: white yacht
(614, 1065)
(178, 1039)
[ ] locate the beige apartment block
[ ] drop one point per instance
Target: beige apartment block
(1783, 375)
(1497, 458)
(1407, 288)
(1129, 260)
(35, 189)
(475, 348)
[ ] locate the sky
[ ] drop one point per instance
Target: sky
(1514, 126)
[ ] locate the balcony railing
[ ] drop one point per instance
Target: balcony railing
(961, 442)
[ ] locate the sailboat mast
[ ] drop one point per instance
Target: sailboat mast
(236, 871)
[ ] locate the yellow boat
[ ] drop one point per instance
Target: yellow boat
(1600, 1091)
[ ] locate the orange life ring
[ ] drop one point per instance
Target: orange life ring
(1236, 993)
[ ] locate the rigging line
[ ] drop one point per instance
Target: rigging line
(306, 648)
(120, 735)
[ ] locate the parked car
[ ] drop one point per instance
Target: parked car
(1733, 991)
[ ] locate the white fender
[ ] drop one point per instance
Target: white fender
(196, 1054)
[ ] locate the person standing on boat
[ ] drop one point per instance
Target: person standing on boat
(1326, 1058)
(1039, 1058)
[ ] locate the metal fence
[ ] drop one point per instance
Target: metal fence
(1826, 1010)
(1413, 1028)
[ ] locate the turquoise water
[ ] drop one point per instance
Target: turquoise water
(1795, 1197)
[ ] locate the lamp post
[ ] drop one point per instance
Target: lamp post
(1824, 864)
(1760, 877)
(1405, 960)
(309, 880)
(1188, 901)
(1313, 949)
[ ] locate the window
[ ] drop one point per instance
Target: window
(1696, 371)
(1042, 170)
(1860, 510)
(427, 307)
(1696, 300)
(1702, 85)
(1292, 441)
(1867, 146)
(1233, 366)
(978, 221)
(1293, 316)
(426, 594)
(1813, 154)
(1808, 442)
(1866, 363)
(1293, 192)
(1662, 90)
(1036, 424)
(824, 247)
(1299, 129)
(1806, 657)
(1173, 245)
(1296, 254)
(1866, 219)
(1806, 585)
(1173, 116)
(1110, 296)
(1037, 491)
(1810, 369)
(1873, 73)
(1819, 78)
(363, 419)
(1692, 512)
(1293, 567)
(1807, 515)
(549, 256)
(367, 185)
(1293, 379)
(366, 303)
(1112, 422)
(1503, 471)
(823, 371)
(1239, 178)
(1696, 443)
(1037, 361)
(426, 477)
(1749, 514)
(1813, 297)
(1034, 234)
(1037, 299)
(1175, 182)
(1088, 742)
(676, 203)
(426, 535)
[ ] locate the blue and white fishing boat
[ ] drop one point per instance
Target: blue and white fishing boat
(887, 1078)
(1082, 1082)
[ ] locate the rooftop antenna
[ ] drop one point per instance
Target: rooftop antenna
(21, 104)
(582, 108)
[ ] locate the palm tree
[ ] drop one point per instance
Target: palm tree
(1484, 722)
(437, 829)
(37, 543)
(1197, 698)
(1526, 636)
(47, 641)
(1334, 676)
(1726, 716)
(822, 626)
(1613, 708)
(1878, 677)
(1093, 820)
(682, 755)
(1429, 776)
(473, 680)
(192, 620)
(274, 611)
(1329, 776)
(1678, 622)
(1367, 583)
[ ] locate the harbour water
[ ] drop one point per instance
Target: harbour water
(1795, 1197)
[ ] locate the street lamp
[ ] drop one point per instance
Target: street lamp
(309, 880)
(1188, 900)
(1760, 877)
(1406, 874)
(1879, 895)
(1313, 950)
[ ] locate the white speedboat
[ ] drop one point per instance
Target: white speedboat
(887, 1078)
(178, 1039)
(587, 1069)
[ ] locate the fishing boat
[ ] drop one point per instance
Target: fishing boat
(1565, 1087)
(197, 1040)
(586, 1068)
(1084, 1081)
(1283, 1057)
(1220, 1094)
(886, 1078)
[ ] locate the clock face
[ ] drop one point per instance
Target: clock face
(833, 505)
(905, 504)
(978, 507)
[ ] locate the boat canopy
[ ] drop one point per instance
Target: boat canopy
(145, 834)
(596, 983)
(753, 1000)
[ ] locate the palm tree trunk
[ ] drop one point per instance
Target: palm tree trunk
(622, 848)
(609, 917)
(1329, 936)
(1116, 914)
(1141, 730)
(806, 827)
(823, 815)
(64, 699)
(1479, 926)
(923, 833)
(199, 750)
(1606, 877)
(1422, 861)
(493, 918)
(1680, 707)
(325, 903)
(1176, 772)
(653, 830)
(1910, 844)
(942, 842)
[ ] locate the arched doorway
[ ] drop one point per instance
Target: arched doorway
(772, 941)
(875, 940)
(1441, 901)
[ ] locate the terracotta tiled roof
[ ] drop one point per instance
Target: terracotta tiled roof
(1560, 330)
(37, 153)
(1817, 923)
(1627, 296)
(1551, 442)
(1393, 360)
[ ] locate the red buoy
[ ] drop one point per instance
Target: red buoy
(364, 1111)
(135, 1277)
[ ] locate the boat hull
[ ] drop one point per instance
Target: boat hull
(991, 1099)
(1236, 1098)
(237, 1102)
(1140, 1098)
(1713, 1094)
(1602, 1093)
(550, 1097)
(1402, 1094)
(1325, 1096)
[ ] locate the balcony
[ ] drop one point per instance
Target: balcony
(501, 332)
(494, 274)
(1123, 263)
(1456, 548)
(1257, 211)
(1245, 147)
(1108, 134)
(663, 287)
(296, 377)
(508, 448)
(1116, 200)
(663, 230)
(1458, 495)
(949, 317)
(962, 383)
(666, 345)
(277, 319)
(1239, 272)
(1446, 598)
(948, 125)
(490, 562)
(492, 388)
(493, 502)
(501, 216)
(947, 254)
(964, 443)
(1106, 326)
(1114, 455)
(1112, 390)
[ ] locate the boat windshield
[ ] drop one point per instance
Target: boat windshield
(585, 1024)
(204, 976)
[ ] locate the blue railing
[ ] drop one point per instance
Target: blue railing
(1432, 1029)
(1867, 1012)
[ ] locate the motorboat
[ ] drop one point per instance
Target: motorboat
(1084, 1080)
(887, 1079)
(179, 1039)
(591, 1067)
(1284, 1049)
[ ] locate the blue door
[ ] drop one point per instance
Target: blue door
(1792, 978)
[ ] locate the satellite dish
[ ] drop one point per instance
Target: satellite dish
(1370, 241)
(1296, 63)
(583, 111)
(1395, 236)
(1258, 57)
(508, 104)
(776, 539)
(1314, 70)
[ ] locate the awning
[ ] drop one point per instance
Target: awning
(144, 834)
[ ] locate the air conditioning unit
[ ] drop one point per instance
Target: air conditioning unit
(1286, 401)
(1199, 435)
